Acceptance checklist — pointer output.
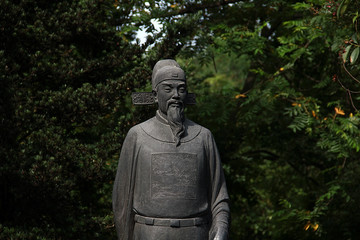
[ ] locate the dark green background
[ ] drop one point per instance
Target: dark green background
(277, 83)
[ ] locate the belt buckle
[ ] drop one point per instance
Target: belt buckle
(198, 221)
(174, 223)
(149, 221)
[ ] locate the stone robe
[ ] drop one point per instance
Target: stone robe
(159, 180)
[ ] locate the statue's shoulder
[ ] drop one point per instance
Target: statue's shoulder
(153, 128)
(191, 125)
(138, 128)
(194, 129)
(150, 123)
(204, 133)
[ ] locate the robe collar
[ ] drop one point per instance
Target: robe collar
(160, 118)
(159, 129)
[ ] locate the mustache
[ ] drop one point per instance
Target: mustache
(173, 101)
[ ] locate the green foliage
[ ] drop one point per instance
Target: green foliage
(288, 136)
(277, 83)
(66, 73)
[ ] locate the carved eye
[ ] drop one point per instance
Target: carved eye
(182, 90)
(167, 89)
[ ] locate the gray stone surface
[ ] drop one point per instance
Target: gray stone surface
(169, 182)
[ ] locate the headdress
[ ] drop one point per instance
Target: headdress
(167, 69)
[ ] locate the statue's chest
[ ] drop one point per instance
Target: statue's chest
(174, 175)
(171, 181)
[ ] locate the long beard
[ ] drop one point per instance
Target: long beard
(175, 117)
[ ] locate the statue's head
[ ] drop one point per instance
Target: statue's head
(170, 92)
(169, 85)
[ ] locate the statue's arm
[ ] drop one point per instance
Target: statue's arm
(219, 196)
(122, 197)
(220, 222)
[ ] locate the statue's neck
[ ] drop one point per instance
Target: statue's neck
(161, 117)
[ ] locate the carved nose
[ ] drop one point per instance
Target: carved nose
(176, 94)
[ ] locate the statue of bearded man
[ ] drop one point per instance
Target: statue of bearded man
(169, 183)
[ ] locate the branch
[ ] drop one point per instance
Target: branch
(347, 71)
(260, 151)
(349, 92)
(193, 8)
(351, 100)
(347, 89)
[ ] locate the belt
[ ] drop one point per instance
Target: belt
(171, 222)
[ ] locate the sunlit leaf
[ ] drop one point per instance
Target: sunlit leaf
(354, 55)
(315, 227)
(240, 96)
(346, 53)
(339, 111)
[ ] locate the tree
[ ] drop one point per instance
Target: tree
(288, 129)
(277, 82)
(67, 69)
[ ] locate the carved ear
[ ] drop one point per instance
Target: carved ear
(155, 96)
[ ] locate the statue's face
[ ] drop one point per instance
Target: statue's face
(170, 93)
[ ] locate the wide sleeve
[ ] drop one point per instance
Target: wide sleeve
(220, 212)
(122, 197)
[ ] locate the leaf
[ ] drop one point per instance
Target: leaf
(354, 55)
(300, 6)
(342, 8)
(354, 38)
(339, 8)
(346, 53)
(240, 96)
(339, 111)
(356, 16)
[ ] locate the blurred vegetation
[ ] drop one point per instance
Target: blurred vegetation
(277, 82)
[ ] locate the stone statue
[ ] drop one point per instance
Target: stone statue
(169, 183)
